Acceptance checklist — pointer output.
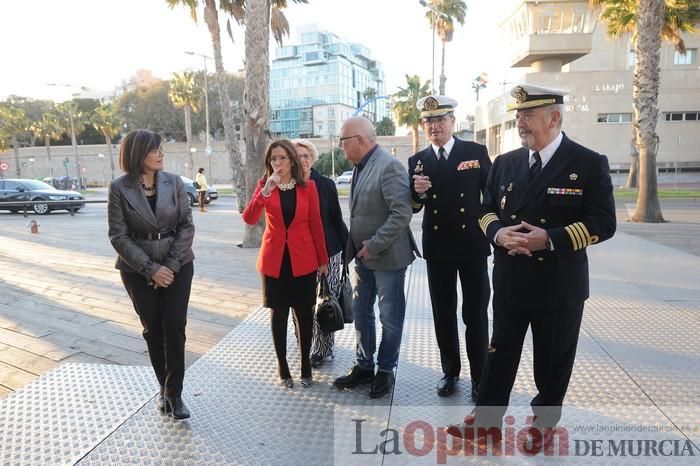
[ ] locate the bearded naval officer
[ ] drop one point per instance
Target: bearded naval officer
(544, 205)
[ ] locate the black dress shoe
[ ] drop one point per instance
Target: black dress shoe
(177, 408)
(475, 391)
(381, 385)
(446, 385)
(355, 377)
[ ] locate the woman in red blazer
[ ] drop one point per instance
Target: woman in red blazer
(293, 250)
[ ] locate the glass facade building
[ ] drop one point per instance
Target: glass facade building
(318, 83)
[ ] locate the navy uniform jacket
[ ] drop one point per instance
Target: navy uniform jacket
(451, 218)
(572, 198)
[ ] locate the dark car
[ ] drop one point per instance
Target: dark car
(34, 190)
(192, 193)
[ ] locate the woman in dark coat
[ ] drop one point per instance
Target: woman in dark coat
(150, 227)
(336, 233)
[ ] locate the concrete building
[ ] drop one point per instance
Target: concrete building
(565, 47)
(318, 83)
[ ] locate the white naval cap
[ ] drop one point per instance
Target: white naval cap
(532, 96)
(435, 105)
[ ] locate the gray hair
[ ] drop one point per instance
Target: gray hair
(558, 108)
(306, 144)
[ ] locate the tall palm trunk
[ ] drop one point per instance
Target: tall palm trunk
(443, 78)
(15, 149)
(256, 102)
(645, 92)
(188, 136)
(47, 143)
(211, 17)
(414, 134)
(108, 141)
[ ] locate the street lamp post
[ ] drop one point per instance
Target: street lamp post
(207, 149)
(333, 157)
(102, 164)
(435, 14)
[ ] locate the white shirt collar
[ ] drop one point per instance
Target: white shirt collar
(548, 151)
(448, 148)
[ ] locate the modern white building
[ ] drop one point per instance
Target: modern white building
(560, 43)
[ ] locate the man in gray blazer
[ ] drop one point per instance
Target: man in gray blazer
(381, 243)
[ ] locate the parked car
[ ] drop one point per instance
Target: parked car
(34, 190)
(192, 193)
(345, 177)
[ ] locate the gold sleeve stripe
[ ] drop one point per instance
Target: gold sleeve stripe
(574, 235)
(580, 238)
(486, 220)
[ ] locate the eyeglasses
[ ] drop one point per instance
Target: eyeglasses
(340, 140)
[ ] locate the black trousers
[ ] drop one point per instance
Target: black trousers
(163, 314)
(201, 198)
(476, 292)
(554, 337)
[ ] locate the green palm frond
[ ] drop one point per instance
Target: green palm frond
(185, 91)
(191, 5)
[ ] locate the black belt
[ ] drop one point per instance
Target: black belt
(153, 236)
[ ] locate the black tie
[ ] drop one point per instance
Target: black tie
(536, 167)
(442, 158)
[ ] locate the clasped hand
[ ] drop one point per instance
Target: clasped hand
(163, 277)
(523, 239)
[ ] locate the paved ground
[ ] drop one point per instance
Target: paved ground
(61, 299)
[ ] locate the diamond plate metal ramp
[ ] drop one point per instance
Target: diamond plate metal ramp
(62, 415)
(240, 413)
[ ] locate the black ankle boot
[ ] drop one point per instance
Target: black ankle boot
(163, 407)
(177, 408)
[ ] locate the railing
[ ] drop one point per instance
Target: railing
(25, 205)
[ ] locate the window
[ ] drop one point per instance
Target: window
(481, 136)
(614, 118)
(688, 58)
(681, 116)
(510, 124)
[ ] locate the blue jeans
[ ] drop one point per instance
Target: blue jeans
(388, 286)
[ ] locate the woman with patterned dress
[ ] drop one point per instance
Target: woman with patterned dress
(336, 236)
(293, 250)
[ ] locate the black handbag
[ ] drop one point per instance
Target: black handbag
(328, 311)
(345, 295)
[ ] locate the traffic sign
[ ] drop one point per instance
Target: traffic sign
(4, 166)
(187, 165)
(207, 150)
(84, 169)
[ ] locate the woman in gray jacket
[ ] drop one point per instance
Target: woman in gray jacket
(150, 227)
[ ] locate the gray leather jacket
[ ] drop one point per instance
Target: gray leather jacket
(130, 219)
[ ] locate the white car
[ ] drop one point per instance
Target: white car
(345, 177)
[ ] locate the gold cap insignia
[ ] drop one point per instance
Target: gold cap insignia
(520, 94)
(573, 177)
(430, 103)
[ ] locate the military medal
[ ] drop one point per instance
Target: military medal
(503, 202)
(510, 187)
(573, 177)
(419, 171)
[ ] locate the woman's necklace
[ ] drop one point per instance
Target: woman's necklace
(148, 189)
(287, 186)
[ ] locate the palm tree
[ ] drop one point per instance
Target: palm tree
(211, 17)
(185, 93)
(650, 22)
(445, 13)
(72, 122)
(368, 95)
(12, 122)
(108, 123)
(405, 105)
(48, 127)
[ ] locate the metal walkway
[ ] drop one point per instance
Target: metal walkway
(637, 377)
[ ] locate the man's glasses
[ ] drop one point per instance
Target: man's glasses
(340, 140)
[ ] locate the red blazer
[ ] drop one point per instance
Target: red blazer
(304, 237)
